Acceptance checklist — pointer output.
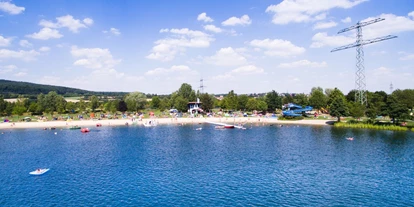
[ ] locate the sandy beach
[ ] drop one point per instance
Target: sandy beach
(178, 121)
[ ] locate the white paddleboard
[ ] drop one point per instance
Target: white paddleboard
(39, 171)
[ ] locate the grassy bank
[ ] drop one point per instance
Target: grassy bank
(373, 126)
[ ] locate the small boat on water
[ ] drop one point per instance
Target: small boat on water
(85, 130)
(199, 129)
(229, 126)
(350, 138)
(75, 127)
(98, 125)
(39, 171)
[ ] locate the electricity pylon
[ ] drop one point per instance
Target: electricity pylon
(360, 85)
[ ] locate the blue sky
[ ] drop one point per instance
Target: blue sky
(249, 46)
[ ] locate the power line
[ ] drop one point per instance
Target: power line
(360, 84)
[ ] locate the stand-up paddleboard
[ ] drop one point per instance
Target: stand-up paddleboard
(39, 171)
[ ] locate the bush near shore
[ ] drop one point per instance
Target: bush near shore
(377, 126)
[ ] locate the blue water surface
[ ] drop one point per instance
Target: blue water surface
(179, 166)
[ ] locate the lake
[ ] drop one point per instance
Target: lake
(180, 166)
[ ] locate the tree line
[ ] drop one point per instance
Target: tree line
(397, 105)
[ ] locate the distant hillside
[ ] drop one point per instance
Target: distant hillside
(11, 89)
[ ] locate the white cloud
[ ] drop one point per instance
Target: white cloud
(113, 31)
(306, 10)
(248, 70)
(166, 49)
(324, 25)
(10, 8)
(303, 63)
(45, 34)
(382, 71)
(391, 25)
(67, 21)
(411, 14)
(407, 56)
(212, 28)
(44, 49)
(322, 39)
(278, 47)
(173, 69)
(4, 42)
(243, 70)
(203, 17)
(20, 74)
(95, 58)
(25, 43)
(346, 20)
(7, 69)
(88, 21)
(232, 21)
(226, 57)
(25, 55)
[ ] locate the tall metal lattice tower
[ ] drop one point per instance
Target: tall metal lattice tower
(360, 84)
(391, 88)
(202, 86)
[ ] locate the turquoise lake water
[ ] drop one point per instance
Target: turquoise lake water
(179, 166)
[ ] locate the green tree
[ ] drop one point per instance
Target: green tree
(155, 102)
(94, 102)
(186, 92)
(165, 103)
(207, 101)
(356, 110)
(261, 105)
(81, 105)
(60, 104)
(301, 99)
(287, 98)
(397, 110)
(338, 106)
(41, 103)
(252, 104)
(50, 102)
(135, 101)
(273, 100)
(33, 107)
(122, 106)
(317, 99)
(314, 89)
(230, 101)
(71, 107)
(19, 109)
(242, 101)
(2, 105)
(181, 104)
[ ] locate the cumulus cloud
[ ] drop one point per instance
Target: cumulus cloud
(166, 71)
(25, 43)
(303, 63)
(322, 39)
(44, 49)
(10, 8)
(392, 24)
(212, 28)
(243, 70)
(203, 17)
(7, 69)
(178, 41)
(95, 58)
(67, 21)
(296, 11)
(346, 20)
(45, 34)
(324, 25)
(277, 47)
(406, 56)
(20, 74)
(25, 55)
(4, 42)
(233, 21)
(113, 31)
(226, 57)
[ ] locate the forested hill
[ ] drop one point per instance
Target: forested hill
(11, 89)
